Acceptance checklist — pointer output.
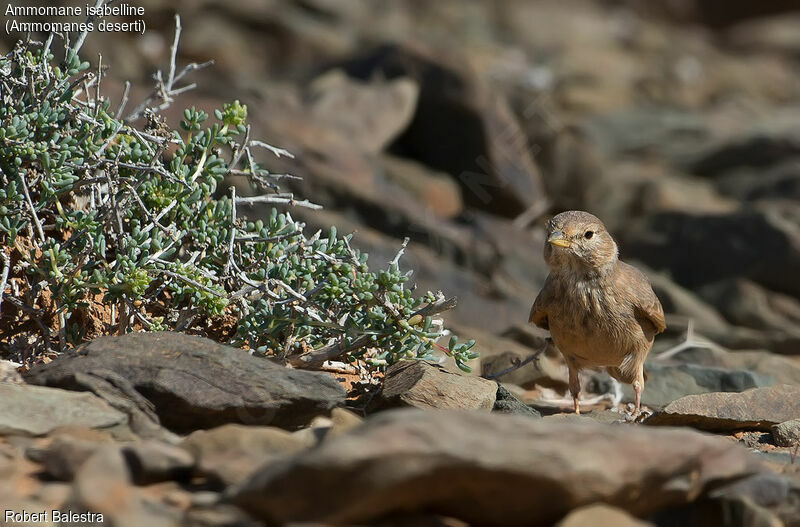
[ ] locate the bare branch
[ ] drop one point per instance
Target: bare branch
(690, 341)
(315, 359)
(174, 52)
(124, 100)
(278, 199)
(232, 237)
(440, 305)
(82, 37)
(517, 364)
(4, 276)
(401, 251)
(189, 281)
(31, 207)
(274, 149)
(165, 90)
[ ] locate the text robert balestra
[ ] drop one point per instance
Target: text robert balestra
(53, 515)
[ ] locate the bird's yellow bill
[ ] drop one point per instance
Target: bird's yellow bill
(558, 241)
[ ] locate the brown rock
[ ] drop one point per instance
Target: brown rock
(681, 301)
(779, 181)
(152, 461)
(436, 190)
(772, 498)
(489, 469)
(65, 455)
(424, 385)
(9, 373)
(569, 417)
(341, 421)
(103, 485)
(781, 370)
(54, 494)
(219, 515)
(628, 188)
(189, 382)
(508, 403)
(669, 382)
(766, 141)
(461, 126)
(208, 30)
(597, 416)
(600, 515)
(230, 453)
(746, 303)
(760, 243)
(771, 34)
(515, 266)
(338, 422)
(370, 115)
(738, 511)
(19, 479)
(684, 194)
(527, 334)
(787, 433)
(759, 408)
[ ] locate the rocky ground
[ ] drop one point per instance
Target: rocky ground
(464, 125)
(164, 429)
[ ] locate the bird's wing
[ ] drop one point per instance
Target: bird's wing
(645, 301)
(651, 308)
(539, 310)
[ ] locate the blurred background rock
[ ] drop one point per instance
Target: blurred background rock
(465, 124)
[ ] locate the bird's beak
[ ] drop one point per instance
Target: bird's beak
(557, 238)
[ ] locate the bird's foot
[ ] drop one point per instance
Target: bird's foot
(632, 415)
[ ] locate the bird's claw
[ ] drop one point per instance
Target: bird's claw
(634, 416)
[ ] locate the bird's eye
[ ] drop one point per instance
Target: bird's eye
(588, 235)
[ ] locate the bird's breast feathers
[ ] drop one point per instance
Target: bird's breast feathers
(594, 323)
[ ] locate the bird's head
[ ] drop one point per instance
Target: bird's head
(578, 241)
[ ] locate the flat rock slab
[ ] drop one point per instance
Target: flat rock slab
(669, 382)
(758, 409)
(488, 469)
(194, 383)
(424, 385)
(36, 410)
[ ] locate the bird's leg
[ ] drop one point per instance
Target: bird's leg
(574, 386)
(638, 388)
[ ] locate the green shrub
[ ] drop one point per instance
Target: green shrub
(108, 228)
